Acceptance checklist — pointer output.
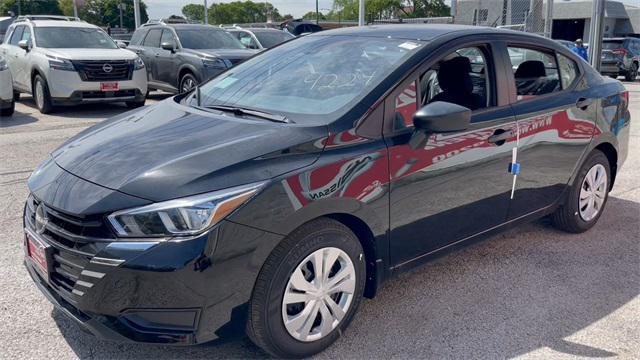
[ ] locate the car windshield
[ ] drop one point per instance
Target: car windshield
(270, 39)
(312, 79)
(208, 39)
(73, 37)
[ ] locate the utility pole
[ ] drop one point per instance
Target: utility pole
(19, 8)
(361, 13)
(75, 9)
(121, 7)
(548, 20)
(206, 13)
(136, 12)
(317, 14)
(595, 33)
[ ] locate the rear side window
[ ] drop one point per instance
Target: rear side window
(611, 44)
(568, 70)
(535, 72)
(137, 37)
(153, 38)
(17, 35)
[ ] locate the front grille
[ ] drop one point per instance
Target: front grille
(75, 241)
(94, 70)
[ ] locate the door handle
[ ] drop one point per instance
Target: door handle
(583, 103)
(500, 136)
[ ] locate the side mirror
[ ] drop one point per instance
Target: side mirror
(438, 117)
(168, 46)
(122, 45)
(24, 45)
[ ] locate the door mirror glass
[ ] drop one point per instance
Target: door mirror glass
(168, 46)
(121, 45)
(24, 44)
(442, 117)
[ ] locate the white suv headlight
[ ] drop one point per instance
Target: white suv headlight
(138, 64)
(60, 64)
(181, 217)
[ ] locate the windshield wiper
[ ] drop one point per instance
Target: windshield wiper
(242, 111)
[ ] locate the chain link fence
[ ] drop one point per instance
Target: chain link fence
(523, 15)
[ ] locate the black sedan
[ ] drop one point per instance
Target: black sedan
(276, 196)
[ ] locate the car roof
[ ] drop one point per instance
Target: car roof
(193, 26)
(58, 23)
(408, 31)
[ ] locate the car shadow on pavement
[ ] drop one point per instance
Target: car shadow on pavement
(529, 288)
(18, 118)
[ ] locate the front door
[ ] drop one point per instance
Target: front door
(166, 61)
(457, 185)
(556, 115)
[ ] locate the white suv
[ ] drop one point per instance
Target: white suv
(64, 62)
(7, 105)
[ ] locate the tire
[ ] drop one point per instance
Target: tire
(135, 104)
(44, 103)
(16, 96)
(8, 111)
(632, 73)
(187, 82)
(267, 311)
(570, 217)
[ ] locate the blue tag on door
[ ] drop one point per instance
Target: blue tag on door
(514, 168)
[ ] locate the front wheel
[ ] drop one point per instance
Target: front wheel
(135, 104)
(187, 83)
(587, 196)
(41, 95)
(308, 290)
(632, 73)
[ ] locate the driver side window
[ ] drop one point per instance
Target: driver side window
(461, 77)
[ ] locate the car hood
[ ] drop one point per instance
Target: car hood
(93, 54)
(224, 53)
(170, 150)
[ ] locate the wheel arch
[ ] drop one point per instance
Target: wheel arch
(612, 155)
(186, 68)
(34, 72)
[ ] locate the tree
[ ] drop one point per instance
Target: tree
(242, 12)
(428, 8)
(193, 12)
(375, 9)
(66, 6)
(105, 12)
(311, 15)
(49, 7)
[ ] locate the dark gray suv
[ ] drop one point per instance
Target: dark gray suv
(180, 56)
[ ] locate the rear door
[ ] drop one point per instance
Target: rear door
(457, 185)
(556, 112)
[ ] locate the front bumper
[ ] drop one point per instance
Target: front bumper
(5, 104)
(66, 87)
(169, 293)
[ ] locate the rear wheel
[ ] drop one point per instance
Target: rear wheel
(41, 95)
(308, 290)
(587, 197)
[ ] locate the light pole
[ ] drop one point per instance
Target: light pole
(361, 13)
(75, 9)
(136, 12)
(317, 14)
(206, 13)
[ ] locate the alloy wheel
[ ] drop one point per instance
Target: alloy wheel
(187, 85)
(39, 98)
(593, 192)
(318, 294)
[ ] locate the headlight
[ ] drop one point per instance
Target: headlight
(180, 217)
(138, 64)
(60, 64)
(214, 63)
(3, 64)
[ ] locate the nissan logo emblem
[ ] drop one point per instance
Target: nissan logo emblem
(41, 219)
(107, 68)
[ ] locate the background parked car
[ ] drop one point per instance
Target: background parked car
(181, 56)
(299, 27)
(4, 25)
(620, 56)
(7, 104)
(260, 38)
(71, 62)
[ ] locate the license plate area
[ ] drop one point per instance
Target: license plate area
(109, 86)
(39, 254)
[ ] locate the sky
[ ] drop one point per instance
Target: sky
(164, 8)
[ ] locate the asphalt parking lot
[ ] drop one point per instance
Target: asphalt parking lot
(533, 292)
